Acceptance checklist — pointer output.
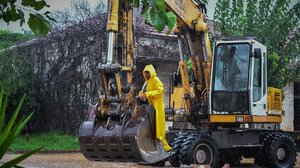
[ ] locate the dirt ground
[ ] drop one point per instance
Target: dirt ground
(77, 160)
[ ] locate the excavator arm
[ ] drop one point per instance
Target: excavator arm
(193, 29)
(118, 127)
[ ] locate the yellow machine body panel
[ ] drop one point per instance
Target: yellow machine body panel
(274, 101)
(187, 11)
(176, 100)
(245, 119)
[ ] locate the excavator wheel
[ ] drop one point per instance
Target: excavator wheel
(200, 149)
(260, 155)
(281, 151)
(176, 145)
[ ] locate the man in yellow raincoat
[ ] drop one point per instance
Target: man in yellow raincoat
(153, 90)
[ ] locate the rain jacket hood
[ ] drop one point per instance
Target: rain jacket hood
(152, 71)
(155, 94)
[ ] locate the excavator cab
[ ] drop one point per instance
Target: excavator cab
(239, 71)
(230, 79)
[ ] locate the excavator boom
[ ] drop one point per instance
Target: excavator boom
(193, 30)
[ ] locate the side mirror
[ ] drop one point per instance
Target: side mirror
(257, 53)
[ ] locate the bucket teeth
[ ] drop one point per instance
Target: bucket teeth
(129, 140)
(110, 148)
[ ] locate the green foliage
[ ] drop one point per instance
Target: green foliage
(155, 14)
(8, 38)
(50, 141)
(38, 24)
(17, 74)
(10, 11)
(18, 78)
(14, 162)
(11, 130)
(280, 70)
(275, 23)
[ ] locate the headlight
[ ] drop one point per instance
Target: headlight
(239, 119)
(180, 111)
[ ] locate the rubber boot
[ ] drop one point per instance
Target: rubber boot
(165, 144)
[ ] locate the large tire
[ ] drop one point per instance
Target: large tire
(200, 149)
(176, 144)
(281, 151)
(260, 154)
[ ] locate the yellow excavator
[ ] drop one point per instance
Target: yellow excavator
(222, 108)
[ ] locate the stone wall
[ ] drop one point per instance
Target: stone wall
(164, 59)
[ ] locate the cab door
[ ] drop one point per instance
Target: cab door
(258, 83)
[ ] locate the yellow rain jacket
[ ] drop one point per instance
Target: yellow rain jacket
(155, 95)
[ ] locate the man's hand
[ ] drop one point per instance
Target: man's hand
(143, 97)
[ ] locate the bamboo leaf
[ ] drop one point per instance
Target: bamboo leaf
(19, 159)
(11, 121)
(13, 134)
(2, 112)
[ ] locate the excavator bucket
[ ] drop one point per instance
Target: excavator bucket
(126, 138)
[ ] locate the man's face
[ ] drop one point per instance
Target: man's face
(147, 75)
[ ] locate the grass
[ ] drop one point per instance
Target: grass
(50, 141)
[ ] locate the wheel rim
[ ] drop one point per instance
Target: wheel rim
(283, 154)
(200, 156)
(203, 154)
(280, 154)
